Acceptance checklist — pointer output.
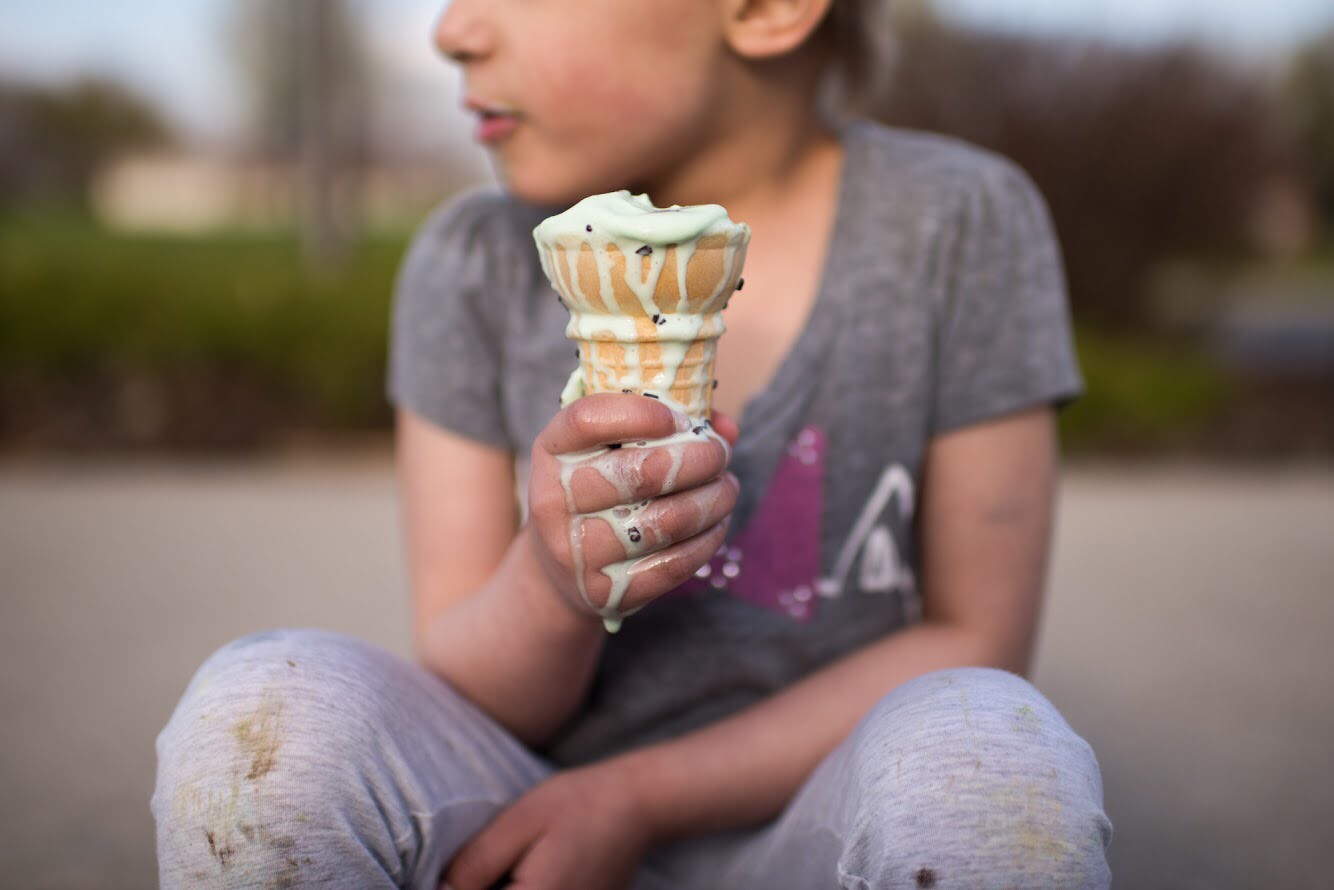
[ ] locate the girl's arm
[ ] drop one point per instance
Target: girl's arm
(482, 617)
(498, 613)
(986, 522)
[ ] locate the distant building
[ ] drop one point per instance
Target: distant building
(192, 194)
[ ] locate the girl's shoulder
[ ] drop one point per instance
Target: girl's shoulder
(480, 218)
(473, 256)
(923, 172)
(475, 247)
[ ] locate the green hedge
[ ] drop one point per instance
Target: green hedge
(76, 300)
(78, 303)
(1142, 395)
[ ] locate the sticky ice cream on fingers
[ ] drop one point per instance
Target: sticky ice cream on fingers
(645, 287)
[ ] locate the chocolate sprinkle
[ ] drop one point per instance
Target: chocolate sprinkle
(634, 534)
(588, 228)
(697, 430)
(715, 384)
(614, 445)
(740, 283)
(655, 318)
(650, 395)
(626, 391)
(644, 251)
(662, 320)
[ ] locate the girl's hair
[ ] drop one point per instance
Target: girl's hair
(859, 38)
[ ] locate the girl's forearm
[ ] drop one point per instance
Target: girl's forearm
(745, 769)
(515, 649)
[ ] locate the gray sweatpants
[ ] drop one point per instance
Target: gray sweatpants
(307, 758)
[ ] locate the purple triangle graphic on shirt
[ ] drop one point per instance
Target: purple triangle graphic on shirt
(775, 560)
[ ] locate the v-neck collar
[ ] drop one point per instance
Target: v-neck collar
(763, 416)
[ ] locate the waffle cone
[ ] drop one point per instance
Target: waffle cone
(711, 274)
(662, 343)
(607, 366)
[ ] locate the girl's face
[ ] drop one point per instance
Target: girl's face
(576, 97)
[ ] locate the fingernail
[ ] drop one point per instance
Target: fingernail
(683, 422)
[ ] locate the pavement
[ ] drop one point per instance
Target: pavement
(1187, 636)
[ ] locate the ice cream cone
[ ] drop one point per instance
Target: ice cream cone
(645, 294)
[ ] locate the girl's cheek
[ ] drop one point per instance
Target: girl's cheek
(567, 85)
(575, 79)
(557, 89)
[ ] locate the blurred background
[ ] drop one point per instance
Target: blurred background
(202, 207)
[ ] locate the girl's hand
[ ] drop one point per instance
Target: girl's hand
(674, 523)
(579, 830)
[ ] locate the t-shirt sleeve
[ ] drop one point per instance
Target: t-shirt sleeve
(446, 340)
(1004, 341)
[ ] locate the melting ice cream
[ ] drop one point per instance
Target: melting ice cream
(645, 287)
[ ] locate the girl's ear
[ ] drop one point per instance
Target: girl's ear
(763, 29)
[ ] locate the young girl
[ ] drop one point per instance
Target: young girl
(819, 693)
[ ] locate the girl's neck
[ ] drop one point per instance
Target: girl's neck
(766, 140)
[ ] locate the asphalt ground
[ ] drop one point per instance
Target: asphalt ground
(1187, 635)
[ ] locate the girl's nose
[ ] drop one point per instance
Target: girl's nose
(462, 32)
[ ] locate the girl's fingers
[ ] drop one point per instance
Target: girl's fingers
(603, 418)
(632, 473)
(726, 427)
(652, 575)
(655, 574)
(490, 855)
(657, 525)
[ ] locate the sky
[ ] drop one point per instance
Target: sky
(1247, 27)
(174, 52)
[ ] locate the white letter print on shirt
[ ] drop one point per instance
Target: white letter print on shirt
(883, 569)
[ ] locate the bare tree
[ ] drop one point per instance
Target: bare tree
(306, 79)
(1143, 155)
(1309, 100)
(54, 139)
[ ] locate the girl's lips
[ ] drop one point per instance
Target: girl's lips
(495, 127)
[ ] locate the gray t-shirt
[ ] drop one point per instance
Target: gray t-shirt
(941, 304)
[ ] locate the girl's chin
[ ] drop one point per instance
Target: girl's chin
(546, 193)
(546, 186)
